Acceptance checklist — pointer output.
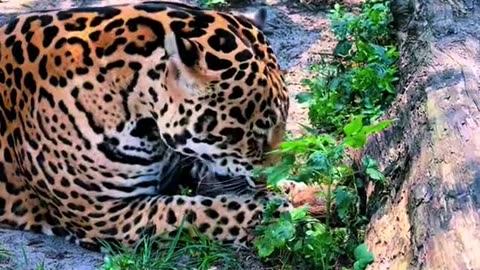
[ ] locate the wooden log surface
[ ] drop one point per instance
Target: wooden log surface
(429, 216)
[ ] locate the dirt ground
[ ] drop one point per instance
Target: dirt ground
(298, 36)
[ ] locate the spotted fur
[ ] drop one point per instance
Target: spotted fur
(105, 111)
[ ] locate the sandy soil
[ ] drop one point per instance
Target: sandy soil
(299, 38)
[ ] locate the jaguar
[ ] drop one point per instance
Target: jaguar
(106, 111)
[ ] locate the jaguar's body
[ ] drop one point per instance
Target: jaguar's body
(102, 108)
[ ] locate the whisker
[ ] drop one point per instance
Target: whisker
(228, 187)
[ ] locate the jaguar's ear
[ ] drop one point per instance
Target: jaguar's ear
(186, 65)
(185, 49)
(260, 18)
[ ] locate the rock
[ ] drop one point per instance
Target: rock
(27, 251)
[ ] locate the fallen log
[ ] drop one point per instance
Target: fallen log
(429, 216)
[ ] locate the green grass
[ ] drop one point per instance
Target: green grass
(6, 259)
(4, 254)
(181, 252)
(40, 266)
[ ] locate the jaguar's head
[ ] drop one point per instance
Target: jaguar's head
(228, 102)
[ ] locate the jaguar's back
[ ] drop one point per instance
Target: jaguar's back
(101, 107)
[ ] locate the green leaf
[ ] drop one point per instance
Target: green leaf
(378, 127)
(305, 174)
(310, 130)
(344, 199)
(335, 83)
(304, 97)
(375, 175)
(343, 48)
(356, 142)
(297, 146)
(276, 235)
(363, 257)
(298, 246)
(354, 127)
(319, 161)
(369, 162)
(371, 169)
(264, 247)
(299, 213)
(279, 172)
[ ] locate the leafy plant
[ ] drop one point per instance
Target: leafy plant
(371, 170)
(319, 159)
(360, 79)
(362, 257)
(345, 99)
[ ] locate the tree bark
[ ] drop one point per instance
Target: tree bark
(429, 215)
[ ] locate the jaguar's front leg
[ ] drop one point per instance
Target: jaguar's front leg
(226, 218)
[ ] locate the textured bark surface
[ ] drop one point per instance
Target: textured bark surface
(429, 217)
